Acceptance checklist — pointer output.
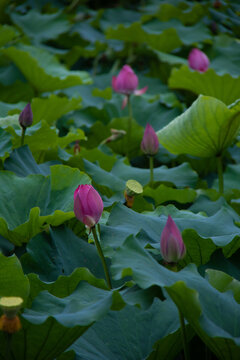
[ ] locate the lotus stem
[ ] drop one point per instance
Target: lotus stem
(151, 170)
(129, 126)
(9, 353)
(184, 336)
(23, 135)
(220, 174)
(100, 253)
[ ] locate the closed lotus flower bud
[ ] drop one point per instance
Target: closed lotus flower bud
(88, 205)
(197, 60)
(26, 116)
(150, 143)
(171, 243)
(126, 83)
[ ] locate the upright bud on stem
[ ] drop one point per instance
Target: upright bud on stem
(88, 208)
(172, 246)
(150, 143)
(26, 117)
(126, 83)
(25, 120)
(88, 205)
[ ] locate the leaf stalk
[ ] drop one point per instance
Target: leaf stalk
(100, 253)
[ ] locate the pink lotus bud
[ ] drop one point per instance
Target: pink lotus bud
(171, 243)
(197, 60)
(150, 143)
(88, 205)
(26, 116)
(126, 83)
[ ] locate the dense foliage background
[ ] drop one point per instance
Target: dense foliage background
(60, 56)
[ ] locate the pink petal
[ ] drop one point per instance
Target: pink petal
(95, 203)
(140, 91)
(125, 101)
(114, 79)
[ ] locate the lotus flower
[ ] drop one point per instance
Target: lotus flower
(126, 83)
(197, 60)
(26, 117)
(171, 243)
(150, 143)
(88, 205)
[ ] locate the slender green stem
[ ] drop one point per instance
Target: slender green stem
(184, 336)
(220, 174)
(129, 126)
(23, 134)
(95, 64)
(9, 353)
(101, 257)
(115, 66)
(41, 156)
(151, 170)
(207, 353)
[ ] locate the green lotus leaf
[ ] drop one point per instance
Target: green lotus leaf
(217, 326)
(7, 33)
(181, 175)
(43, 70)
(217, 230)
(5, 143)
(166, 41)
(51, 318)
(64, 285)
(16, 92)
(52, 108)
(160, 321)
(224, 282)
(189, 14)
(48, 256)
(206, 129)
(41, 27)
(40, 137)
(13, 282)
(22, 163)
(208, 83)
(164, 193)
(37, 200)
(163, 36)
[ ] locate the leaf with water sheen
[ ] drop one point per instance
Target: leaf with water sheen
(205, 129)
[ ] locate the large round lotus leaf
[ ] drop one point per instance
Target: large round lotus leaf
(205, 129)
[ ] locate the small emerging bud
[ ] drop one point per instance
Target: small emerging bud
(172, 246)
(76, 148)
(26, 117)
(133, 188)
(116, 135)
(197, 60)
(88, 205)
(150, 143)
